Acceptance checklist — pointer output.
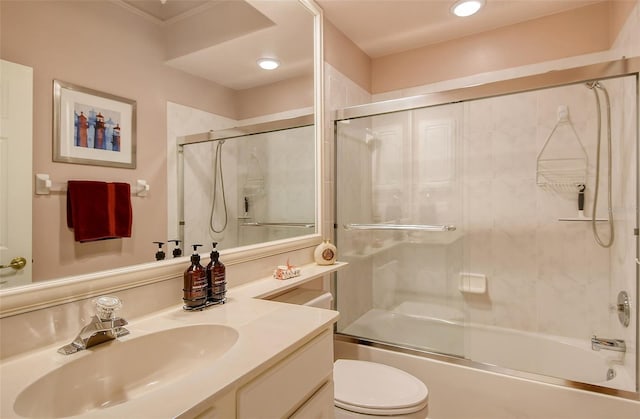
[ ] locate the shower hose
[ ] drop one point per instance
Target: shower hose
(217, 171)
(594, 86)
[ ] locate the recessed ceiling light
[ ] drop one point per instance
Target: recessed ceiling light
(268, 63)
(465, 8)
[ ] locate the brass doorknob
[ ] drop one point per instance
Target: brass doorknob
(16, 263)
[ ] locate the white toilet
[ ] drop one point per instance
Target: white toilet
(365, 389)
(369, 390)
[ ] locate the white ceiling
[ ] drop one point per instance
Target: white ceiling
(383, 27)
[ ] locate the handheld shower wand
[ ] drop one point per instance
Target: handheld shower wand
(217, 170)
(594, 86)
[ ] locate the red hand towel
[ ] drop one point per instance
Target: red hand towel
(99, 210)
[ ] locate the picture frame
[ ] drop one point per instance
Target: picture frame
(92, 127)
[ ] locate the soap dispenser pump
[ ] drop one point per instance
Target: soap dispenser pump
(160, 253)
(216, 278)
(177, 252)
(195, 283)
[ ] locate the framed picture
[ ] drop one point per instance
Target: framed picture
(91, 127)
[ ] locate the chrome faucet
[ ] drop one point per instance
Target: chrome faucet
(103, 326)
(617, 345)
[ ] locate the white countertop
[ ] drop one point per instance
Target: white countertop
(268, 331)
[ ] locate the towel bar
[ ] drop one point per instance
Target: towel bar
(44, 186)
(260, 224)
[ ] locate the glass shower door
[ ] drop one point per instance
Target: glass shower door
(399, 227)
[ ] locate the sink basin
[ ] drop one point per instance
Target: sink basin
(116, 372)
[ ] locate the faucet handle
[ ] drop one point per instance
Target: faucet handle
(106, 305)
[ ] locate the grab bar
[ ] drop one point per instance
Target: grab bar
(404, 227)
(300, 225)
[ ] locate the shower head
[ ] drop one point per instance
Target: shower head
(593, 84)
(371, 139)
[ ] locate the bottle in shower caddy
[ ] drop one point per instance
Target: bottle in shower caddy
(216, 278)
(195, 283)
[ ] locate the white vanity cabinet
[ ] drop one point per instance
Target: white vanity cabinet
(319, 406)
(298, 383)
(222, 407)
(299, 386)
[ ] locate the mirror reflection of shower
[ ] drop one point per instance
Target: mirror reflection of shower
(247, 185)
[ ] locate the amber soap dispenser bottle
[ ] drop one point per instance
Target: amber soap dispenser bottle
(216, 278)
(195, 283)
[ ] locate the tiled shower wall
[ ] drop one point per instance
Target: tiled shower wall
(546, 275)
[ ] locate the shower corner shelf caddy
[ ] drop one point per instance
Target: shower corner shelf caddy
(562, 173)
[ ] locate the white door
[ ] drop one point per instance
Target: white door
(16, 114)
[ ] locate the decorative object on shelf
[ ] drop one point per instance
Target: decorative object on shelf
(94, 128)
(325, 253)
(287, 271)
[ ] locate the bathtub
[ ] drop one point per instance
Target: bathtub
(553, 356)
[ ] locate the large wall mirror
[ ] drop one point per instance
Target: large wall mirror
(191, 68)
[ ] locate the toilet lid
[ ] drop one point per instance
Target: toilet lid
(372, 388)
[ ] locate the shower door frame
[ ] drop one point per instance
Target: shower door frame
(599, 71)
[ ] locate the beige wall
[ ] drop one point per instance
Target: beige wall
(123, 57)
(619, 13)
(295, 93)
(346, 57)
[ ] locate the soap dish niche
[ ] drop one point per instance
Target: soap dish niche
(472, 283)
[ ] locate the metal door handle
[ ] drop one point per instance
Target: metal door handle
(16, 263)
